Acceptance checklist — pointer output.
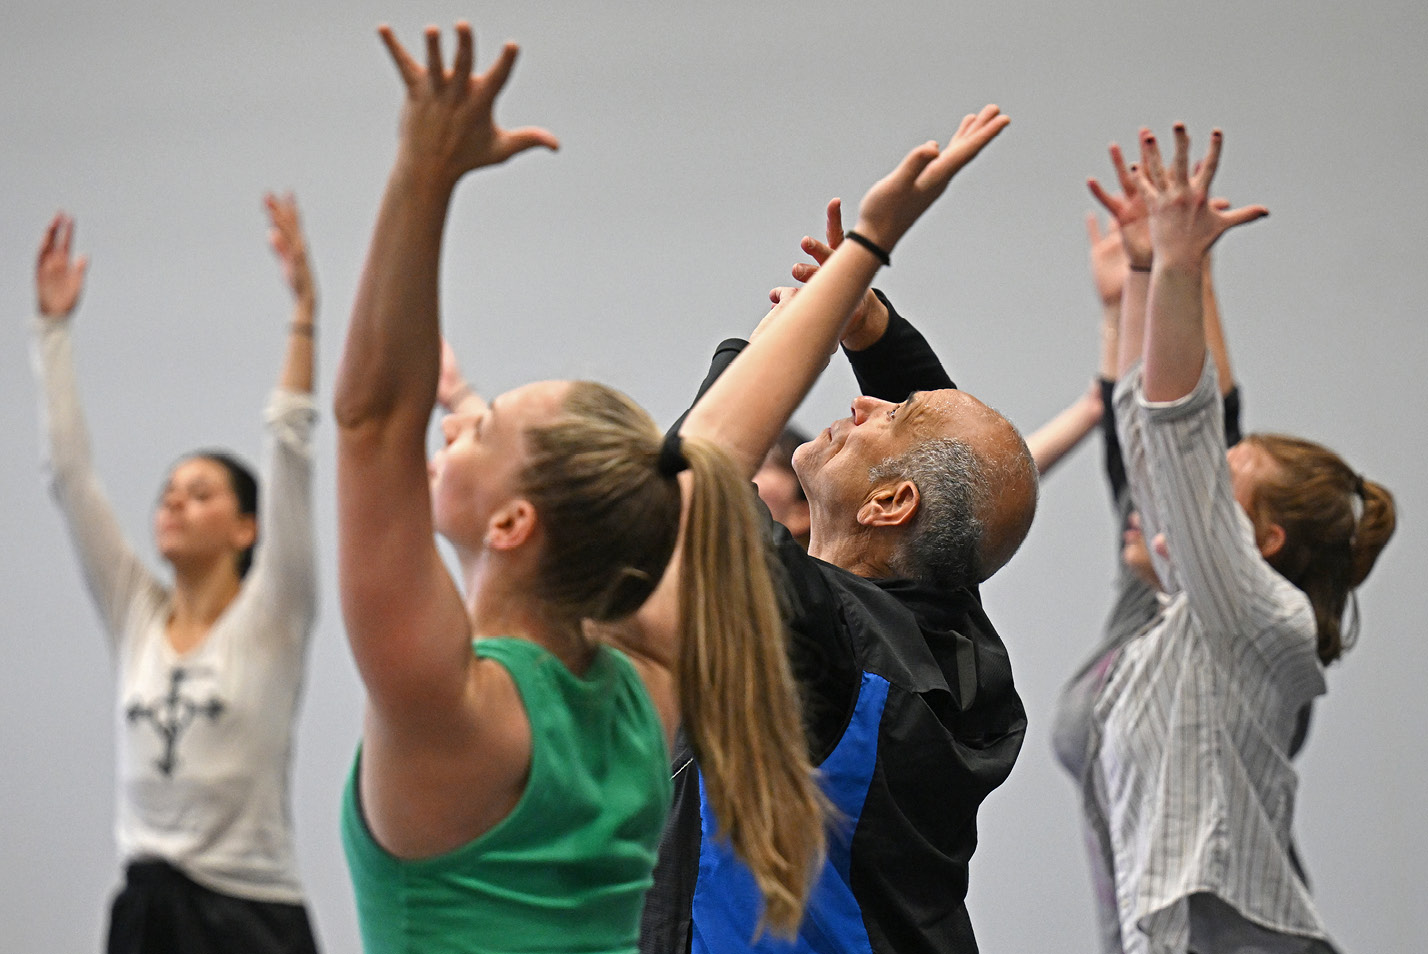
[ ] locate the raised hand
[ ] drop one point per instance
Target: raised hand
(59, 279)
(1109, 264)
(1184, 222)
(869, 319)
(448, 126)
(453, 391)
(898, 199)
(286, 237)
(1128, 209)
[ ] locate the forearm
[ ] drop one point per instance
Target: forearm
(746, 408)
(1110, 339)
(1130, 338)
(299, 358)
(391, 358)
(1174, 331)
(1214, 331)
(1059, 436)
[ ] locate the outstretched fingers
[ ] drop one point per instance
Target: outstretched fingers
(465, 53)
(1205, 174)
(833, 224)
(435, 71)
(1108, 201)
(1181, 163)
(1124, 175)
(1240, 216)
(409, 69)
(1152, 169)
(500, 70)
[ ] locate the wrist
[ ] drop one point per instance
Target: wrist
(421, 177)
(871, 329)
(877, 249)
(879, 236)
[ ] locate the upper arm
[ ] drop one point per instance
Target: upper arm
(112, 570)
(405, 619)
(1228, 585)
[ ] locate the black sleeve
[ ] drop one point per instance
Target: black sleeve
(1115, 465)
(1232, 417)
(724, 356)
(899, 363)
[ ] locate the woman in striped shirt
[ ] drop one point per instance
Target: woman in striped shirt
(1190, 788)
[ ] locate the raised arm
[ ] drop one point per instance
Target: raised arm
(405, 619)
(286, 237)
(112, 571)
(285, 565)
(745, 409)
(1184, 224)
(889, 357)
(1128, 210)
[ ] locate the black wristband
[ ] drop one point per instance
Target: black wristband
(1139, 268)
(870, 245)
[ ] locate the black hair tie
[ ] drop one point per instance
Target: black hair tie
(671, 456)
(1359, 485)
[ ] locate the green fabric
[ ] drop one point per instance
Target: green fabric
(567, 870)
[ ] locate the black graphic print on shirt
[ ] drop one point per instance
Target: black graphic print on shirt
(171, 715)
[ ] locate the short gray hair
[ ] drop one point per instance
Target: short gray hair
(944, 542)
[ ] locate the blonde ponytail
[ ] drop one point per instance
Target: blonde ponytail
(611, 509)
(739, 703)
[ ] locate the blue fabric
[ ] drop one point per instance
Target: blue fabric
(727, 904)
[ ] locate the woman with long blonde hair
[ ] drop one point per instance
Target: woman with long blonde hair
(512, 784)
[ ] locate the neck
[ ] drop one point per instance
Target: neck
(858, 550)
(201, 594)
(500, 604)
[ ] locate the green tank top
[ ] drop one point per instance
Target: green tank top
(568, 868)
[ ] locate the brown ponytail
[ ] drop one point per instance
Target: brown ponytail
(611, 521)
(1335, 525)
(738, 700)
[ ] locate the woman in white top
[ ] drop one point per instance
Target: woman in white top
(209, 666)
(1190, 783)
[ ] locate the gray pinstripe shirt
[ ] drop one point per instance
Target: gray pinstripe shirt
(1191, 785)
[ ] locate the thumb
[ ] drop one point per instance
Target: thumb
(527, 137)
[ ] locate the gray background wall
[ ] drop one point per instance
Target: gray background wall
(700, 143)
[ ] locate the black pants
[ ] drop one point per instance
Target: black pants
(162, 911)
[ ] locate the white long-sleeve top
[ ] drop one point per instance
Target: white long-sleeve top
(1191, 782)
(204, 738)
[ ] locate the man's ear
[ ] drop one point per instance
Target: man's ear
(511, 525)
(892, 505)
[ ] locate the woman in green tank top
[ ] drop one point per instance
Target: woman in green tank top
(512, 780)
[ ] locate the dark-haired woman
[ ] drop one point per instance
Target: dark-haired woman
(1190, 785)
(512, 784)
(209, 664)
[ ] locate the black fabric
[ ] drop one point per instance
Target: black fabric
(900, 363)
(160, 910)
(665, 920)
(951, 729)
